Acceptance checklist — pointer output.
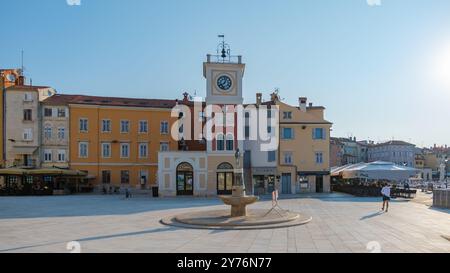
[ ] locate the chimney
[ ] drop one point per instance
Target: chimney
(258, 99)
(185, 97)
(21, 80)
(274, 97)
(302, 103)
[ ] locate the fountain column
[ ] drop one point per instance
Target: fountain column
(238, 200)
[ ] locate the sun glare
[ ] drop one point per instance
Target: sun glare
(441, 67)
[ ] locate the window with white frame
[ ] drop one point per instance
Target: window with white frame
(28, 134)
(106, 150)
(143, 126)
(287, 133)
(48, 132)
(220, 145)
(47, 155)
(124, 150)
(28, 115)
(124, 126)
(319, 158)
(287, 158)
(61, 112)
(84, 125)
(164, 127)
(318, 133)
(61, 133)
(28, 97)
(106, 126)
(230, 142)
(143, 150)
(164, 146)
(287, 115)
(61, 155)
(83, 148)
(48, 112)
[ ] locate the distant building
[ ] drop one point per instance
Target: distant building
(55, 132)
(260, 165)
(8, 78)
(433, 158)
(22, 126)
(348, 151)
(336, 152)
(396, 151)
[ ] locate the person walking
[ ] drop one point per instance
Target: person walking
(386, 192)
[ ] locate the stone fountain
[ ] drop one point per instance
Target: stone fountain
(239, 200)
(239, 218)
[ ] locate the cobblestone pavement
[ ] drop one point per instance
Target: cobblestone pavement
(340, 223)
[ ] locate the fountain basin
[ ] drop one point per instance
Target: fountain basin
(238, 204)
(220, 219)
(238, 201)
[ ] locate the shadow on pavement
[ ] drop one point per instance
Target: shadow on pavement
(163, 229)
(95, 238)
(373, 215)
(440, 209)
(89, 205)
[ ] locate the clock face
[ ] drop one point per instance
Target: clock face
(224, 83)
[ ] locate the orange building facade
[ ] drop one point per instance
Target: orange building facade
(117, 140)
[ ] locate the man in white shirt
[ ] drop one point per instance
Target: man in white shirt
(386, 192)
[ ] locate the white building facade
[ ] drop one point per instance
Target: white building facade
(398, 152)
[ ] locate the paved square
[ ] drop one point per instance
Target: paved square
(341, 223)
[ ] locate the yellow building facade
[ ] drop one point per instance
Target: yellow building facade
(117, 140)
(304, 150)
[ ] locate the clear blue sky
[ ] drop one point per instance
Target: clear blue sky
(381, 71)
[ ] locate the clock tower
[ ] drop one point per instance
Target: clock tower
(223, 73)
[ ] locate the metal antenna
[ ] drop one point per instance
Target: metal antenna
(22, 61)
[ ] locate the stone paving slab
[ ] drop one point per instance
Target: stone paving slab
(108, 224)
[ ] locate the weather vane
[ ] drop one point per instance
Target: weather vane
(223, 50)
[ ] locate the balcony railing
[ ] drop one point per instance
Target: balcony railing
(219, 59)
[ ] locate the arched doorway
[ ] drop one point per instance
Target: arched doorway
(185, 179)
(225, 178)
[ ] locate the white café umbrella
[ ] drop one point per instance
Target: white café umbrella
(378, 170)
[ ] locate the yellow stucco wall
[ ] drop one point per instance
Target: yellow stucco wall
(95, 163)
(303, 146)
